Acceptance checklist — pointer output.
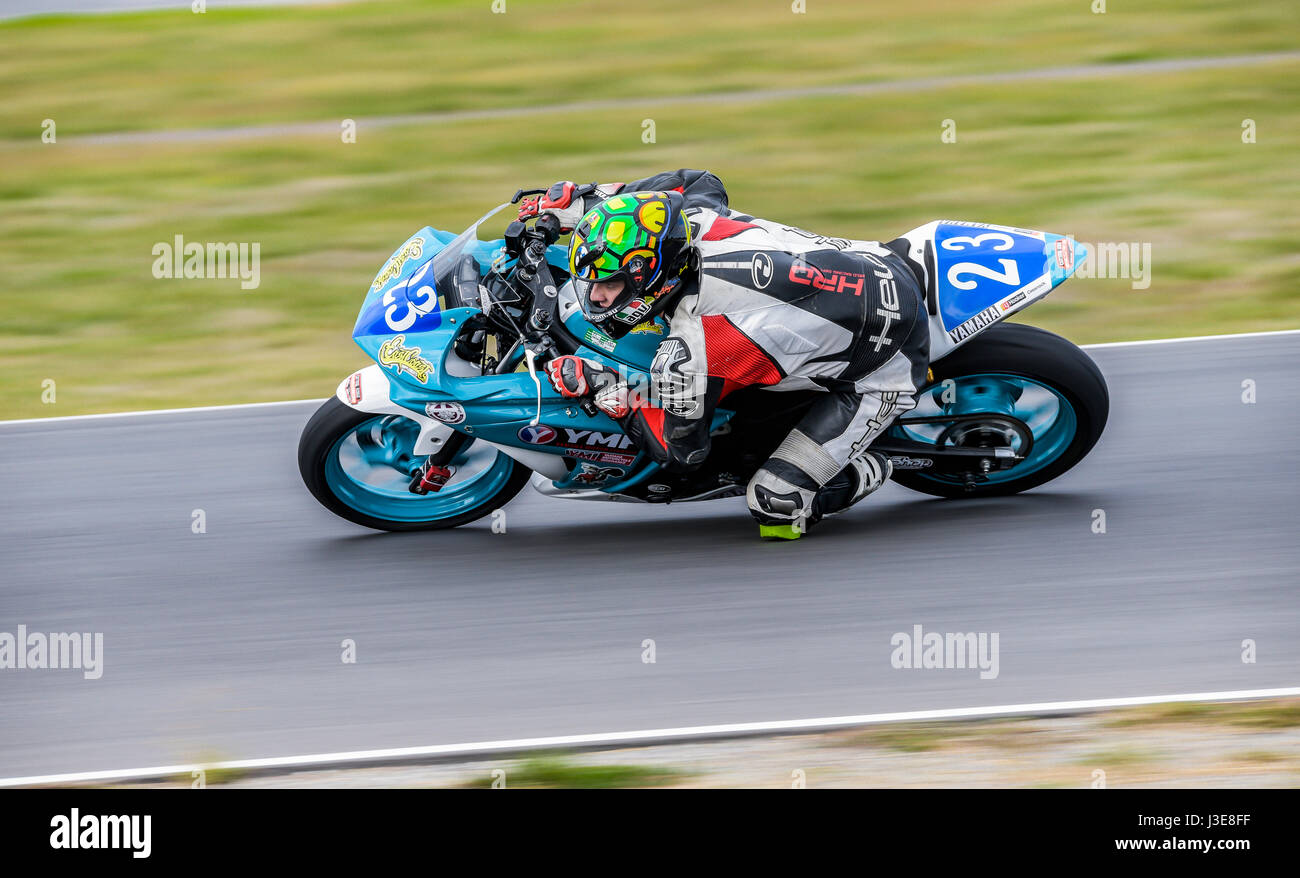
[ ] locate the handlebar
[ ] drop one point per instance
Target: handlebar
(529, 245)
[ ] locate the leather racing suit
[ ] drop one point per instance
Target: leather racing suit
(785, 309)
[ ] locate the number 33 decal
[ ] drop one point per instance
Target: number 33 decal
(414, 310)
(1010, 274)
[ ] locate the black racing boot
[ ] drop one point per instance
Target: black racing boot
(862, 476)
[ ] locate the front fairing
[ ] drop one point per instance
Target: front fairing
(405, 326)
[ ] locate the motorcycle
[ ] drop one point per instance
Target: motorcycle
(453, 419)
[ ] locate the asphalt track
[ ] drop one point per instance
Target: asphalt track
(226, 645)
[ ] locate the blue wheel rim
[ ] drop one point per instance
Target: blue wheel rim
(1050, 417)
(369, 468)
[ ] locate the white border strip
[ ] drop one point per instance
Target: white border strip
(1120, 344)
(179, 411)
(645, 736)
(253, 405)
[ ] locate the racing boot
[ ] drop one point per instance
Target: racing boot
(785, 511)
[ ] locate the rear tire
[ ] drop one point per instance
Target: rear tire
(334, 421)
(1029, 352)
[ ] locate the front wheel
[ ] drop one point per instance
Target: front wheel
(1013, 386)
(359, 466)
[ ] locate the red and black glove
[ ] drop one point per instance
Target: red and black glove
(575, 377)
(561, 200)
(566, 200)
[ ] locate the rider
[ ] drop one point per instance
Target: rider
(749, 302)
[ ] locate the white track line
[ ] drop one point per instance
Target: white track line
(253, 405)
(643, 736)
(1121, 344)
(180, 411)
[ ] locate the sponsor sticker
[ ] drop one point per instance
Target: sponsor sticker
(447, 412)
(586, 444)
(394, 354)
(613, 457)
(353, 389)
(1065, 253)
(635, 311)
(539, 434)
(904, 462)
(975, 324)
(594, 439)
(1013, 301)
(598, 339)
(393, 267)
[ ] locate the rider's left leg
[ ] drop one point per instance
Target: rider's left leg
(823, 466)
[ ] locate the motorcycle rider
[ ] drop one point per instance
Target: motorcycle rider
(749, 302)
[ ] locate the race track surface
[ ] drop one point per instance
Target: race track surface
(227, 644)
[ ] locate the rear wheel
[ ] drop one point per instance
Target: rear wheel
(1014, 386)
(359, 466)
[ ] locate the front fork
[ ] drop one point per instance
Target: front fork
(436, 471)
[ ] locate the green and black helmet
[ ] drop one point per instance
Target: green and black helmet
(642, 238)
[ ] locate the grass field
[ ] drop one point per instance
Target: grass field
(1155, 158)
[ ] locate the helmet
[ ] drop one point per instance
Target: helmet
(642, 238)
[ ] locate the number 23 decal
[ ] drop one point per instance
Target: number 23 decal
(1010, 274)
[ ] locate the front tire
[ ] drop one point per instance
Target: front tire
(1044, 362)
(357, 464)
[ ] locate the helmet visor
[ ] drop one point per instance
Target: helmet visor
(606, 297)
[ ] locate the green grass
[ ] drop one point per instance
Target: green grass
(243, 66)
(1153, 158)
(1119, 756)
(905, 739)
(1246, 714)
(561, 772)
(1015, 733)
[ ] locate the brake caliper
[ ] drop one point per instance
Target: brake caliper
(430, 478)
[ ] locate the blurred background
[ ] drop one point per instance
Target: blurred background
(227, 126)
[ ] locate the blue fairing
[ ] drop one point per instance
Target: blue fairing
(408, 331)
(979, 267)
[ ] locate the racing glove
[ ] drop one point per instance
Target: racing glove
(566, 201)
(575, 377)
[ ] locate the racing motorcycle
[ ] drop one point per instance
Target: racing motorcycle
(453, 418)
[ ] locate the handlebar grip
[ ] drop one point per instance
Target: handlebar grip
(549, 225)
